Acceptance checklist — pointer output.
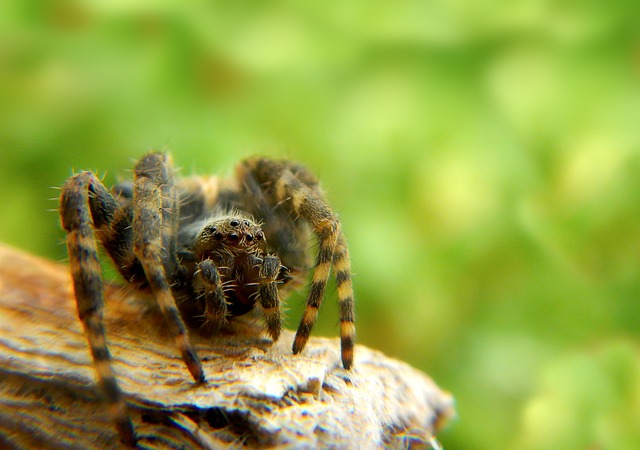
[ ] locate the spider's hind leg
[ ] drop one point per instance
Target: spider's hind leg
(86, 204)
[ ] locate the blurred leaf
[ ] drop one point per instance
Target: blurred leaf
(484, 159)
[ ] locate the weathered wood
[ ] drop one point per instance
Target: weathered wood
(257, 394)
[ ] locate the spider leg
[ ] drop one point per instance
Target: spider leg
(268, 294)
(149, 239)
(207, 280)
(84, 204)
(344, 286)
(297, 187)
(283, 233)
(170, 210)
(342, 267)
(309, 204)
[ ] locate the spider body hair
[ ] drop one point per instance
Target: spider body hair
(207, 249)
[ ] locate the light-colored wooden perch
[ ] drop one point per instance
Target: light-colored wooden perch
(257, 394)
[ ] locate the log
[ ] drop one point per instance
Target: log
(257, 395)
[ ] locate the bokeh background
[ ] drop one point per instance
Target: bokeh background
(484, 158)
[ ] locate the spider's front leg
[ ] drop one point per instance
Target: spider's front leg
(307, 201)
(294, 186)
(154, 218)
(86, 204)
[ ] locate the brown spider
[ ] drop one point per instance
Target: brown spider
(218, 246)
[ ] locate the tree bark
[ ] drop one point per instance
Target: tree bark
(257, 395)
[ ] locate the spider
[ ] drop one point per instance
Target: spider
(208, 249)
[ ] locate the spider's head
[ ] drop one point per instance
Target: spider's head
(233, 233)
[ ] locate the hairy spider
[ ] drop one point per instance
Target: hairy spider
(218, 246)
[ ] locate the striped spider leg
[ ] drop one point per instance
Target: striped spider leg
(133, 239)
(220, 246)
(294, 189)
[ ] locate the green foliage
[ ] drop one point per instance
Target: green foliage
(484, 158)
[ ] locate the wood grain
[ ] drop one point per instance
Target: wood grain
(258, 394)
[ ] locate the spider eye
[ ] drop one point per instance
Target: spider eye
(234, 222)
(217, 236)
(234, 237)
(249, 237)
(245, 223)
(208, 230)
(259, 235)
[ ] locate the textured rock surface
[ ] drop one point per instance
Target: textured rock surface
(257, 394)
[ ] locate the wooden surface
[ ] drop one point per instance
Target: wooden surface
(257, 394)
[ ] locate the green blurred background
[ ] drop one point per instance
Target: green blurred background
(484, 158)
